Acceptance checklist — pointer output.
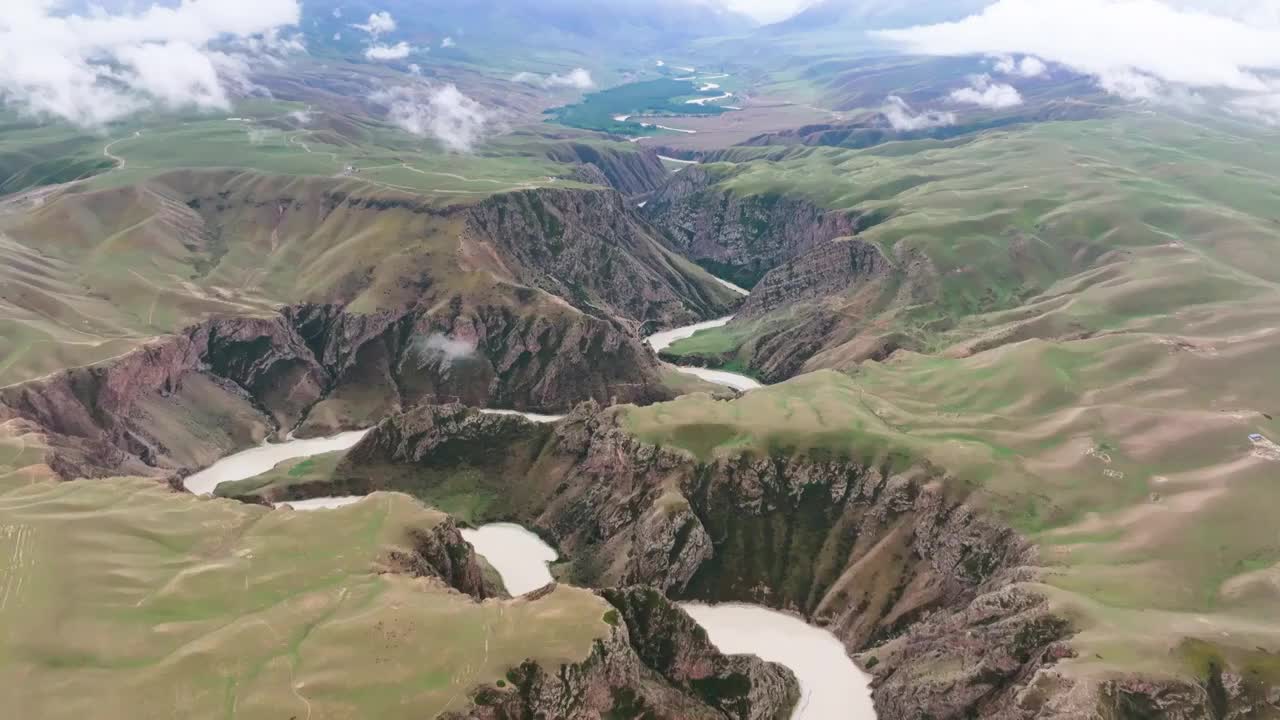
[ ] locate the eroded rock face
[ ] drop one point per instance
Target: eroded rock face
(441, 552)
(627, 172)
(183, 401)
(927, 590)
(740, 238)
(655, 663)
(593, 250)
(824, 269)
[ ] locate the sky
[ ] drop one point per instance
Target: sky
(1139, 49)
(766, 11)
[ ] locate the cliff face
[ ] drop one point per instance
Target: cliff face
(442, 553)
(899, 569)
(825, 269)
(629, 173)
(183, 401)
(591, 249)
(740, 238)
(656, 663)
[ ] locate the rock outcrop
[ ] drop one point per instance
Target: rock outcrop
(182, 401)
(656, 663)
(441, 552)
(593, 250)
(825, 269)
(928, 590)
(630, 173)
(739, 237)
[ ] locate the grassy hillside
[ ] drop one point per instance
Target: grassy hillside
(197, 215)
(1088, 320)
(1127, 459)
(121, 599)
(1050, 230)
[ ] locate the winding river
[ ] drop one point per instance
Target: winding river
(663, 340)
(831, 685)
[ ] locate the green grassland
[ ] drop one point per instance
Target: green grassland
(1096, 336)
(93, 268)
(650, 97)
(34, 154)
(122, 599)
(1057, 228)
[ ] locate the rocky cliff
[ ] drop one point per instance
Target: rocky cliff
(825, 269)
(182, 401)
(593, 250)
(656, 663)
(929, 591)
(738, 237)
(630, 173)
(441, 552)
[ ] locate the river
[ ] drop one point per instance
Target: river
(831, 685)
(255, 461)
(661, 341)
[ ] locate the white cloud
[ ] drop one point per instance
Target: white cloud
(902, 118)
(1029, 66)
(399, 51)
(441, 112)
(415, 68)
(93, 69)
(337, 12)
(578, 78)
(448, 43)
(379, 23)
(337, 36)
(985, 93)
(1135, 48)
(302, 117)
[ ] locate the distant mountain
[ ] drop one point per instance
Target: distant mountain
(875, 14)
(612, 26)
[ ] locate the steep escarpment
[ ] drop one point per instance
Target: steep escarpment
(182, 401)
(655, 663)
(936, 596)
(626, 170)
(856, 546)
(591, 249)
(826, 269)
(440, 552)
(740, 237)
(832, 307)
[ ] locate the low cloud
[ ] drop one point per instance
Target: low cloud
(1029, 66)
(92, 69)
(302, 117)
(578, 78)
(441, 112)
(985, 93)
(379, 23)
(1142, 49)
(399, 51)
(448, 43)
(442, 350)
(903, 119)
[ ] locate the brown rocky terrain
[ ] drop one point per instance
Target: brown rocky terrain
(656, 663)
(936, 599)
(529, 300)
(181, 401)
(630, 173)
(591, 249)
(740, 238)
